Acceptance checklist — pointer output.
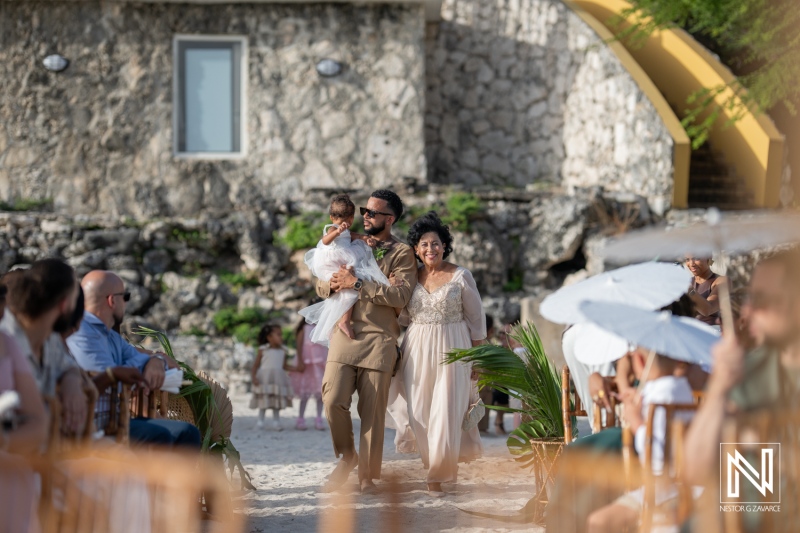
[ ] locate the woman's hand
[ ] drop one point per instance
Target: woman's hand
(255, 380)
(600, 390)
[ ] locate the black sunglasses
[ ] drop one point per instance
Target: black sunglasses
(125, 295)
(371, 213)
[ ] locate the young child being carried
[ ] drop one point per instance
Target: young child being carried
(339, 247)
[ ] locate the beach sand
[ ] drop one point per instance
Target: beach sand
(289, 466)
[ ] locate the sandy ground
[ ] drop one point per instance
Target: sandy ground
(289, 466)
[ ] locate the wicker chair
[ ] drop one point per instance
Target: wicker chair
(117, 490)
(670, 466)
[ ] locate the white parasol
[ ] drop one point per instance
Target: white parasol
(717, 235)
(681, 338)
(647, 285)
(596, 346)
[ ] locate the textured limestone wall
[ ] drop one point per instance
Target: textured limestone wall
(522, 91)
(98, 137)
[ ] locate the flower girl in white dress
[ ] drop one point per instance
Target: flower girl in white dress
(338, 247)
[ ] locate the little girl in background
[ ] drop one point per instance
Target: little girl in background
(271, 387)
(337, 248)
(307, 375)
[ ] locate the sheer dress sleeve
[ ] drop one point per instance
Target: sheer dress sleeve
(473, 307)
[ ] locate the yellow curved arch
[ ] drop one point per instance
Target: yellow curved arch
(679, 66)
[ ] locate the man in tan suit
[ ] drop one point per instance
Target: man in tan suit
(365, 363)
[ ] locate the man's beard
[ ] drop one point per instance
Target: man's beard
(374, 230)
(117, 323)
(62, 323)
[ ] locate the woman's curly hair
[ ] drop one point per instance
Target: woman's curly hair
(430, 222)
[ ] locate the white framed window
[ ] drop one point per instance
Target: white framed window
(210, 95)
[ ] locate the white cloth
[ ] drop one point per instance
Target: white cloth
(670, 390)
(580, 372)
(324, 261)
(427, 399)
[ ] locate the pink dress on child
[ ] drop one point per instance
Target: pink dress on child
(309, 382)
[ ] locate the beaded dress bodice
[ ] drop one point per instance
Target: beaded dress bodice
(442, 306)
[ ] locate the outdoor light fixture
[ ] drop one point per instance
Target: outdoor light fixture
(55, 63)
(329, 68)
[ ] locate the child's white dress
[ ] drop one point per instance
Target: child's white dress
(323, 261)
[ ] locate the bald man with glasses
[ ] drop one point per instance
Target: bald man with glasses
(98, 347)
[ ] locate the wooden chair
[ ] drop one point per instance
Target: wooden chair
(152, 405)
(610, 419)
(669, 468)
(570, 404)
(115, 489)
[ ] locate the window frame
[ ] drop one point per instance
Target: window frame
(177, 100)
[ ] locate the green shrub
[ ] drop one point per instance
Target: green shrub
(460, 209)
(243, 325)
(247, 333)
(27, 204)
(289, 338)
(303, 231)
(194, 331)
(514, 283)
(238, 279)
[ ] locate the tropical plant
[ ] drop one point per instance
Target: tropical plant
(243, 325)
(759, 38)
(531, 378)
(460, 209)
(211, 407)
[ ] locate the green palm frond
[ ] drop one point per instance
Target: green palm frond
(531, 378)
(201, 399)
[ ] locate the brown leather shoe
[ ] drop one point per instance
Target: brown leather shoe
(339, 475)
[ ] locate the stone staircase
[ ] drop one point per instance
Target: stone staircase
(713, 183)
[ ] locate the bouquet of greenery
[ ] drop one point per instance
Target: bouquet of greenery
(213, 412)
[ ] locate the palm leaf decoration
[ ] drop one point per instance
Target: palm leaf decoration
(213, 412)
(531, 378)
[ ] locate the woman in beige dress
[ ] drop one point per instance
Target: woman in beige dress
(445, 313)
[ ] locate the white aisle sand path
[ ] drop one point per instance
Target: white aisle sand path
(289, 466)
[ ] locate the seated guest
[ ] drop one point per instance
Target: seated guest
(665, 383)
(743, 379)
(40, 302)
(705, 290)
(23, 431)
(98, 348)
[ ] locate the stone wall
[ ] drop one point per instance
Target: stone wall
(98, 136)
(523, 91)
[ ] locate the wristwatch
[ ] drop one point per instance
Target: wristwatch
(358, 284)
(163, 360)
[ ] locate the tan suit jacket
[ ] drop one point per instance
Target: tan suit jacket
(374, 318)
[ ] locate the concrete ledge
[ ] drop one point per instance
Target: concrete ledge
(433, 8)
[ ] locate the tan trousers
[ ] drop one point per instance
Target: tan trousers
(338, 385)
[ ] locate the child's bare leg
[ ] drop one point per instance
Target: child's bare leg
(344, 324)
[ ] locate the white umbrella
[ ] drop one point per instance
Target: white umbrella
(677, 337)
(719, 233)
(596, 346)
(647, 285)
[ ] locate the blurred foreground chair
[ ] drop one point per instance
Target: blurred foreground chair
(117, 490)
(672, 464)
